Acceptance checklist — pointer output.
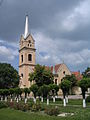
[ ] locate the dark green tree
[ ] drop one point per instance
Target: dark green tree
(83, 84)
(72, 80)
(9, 77)
(41, 76)
(65, 86)
(53, 90)
(86, 73)
(34, 89)
(26, 92)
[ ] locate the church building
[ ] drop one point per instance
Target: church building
(27, 60)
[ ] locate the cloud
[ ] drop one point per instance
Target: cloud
(51, 52)
(79, 16)
(61, 30)
(7, 54)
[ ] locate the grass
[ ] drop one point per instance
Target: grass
(79, 112)
(10, 114)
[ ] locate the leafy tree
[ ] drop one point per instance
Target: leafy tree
(5, 93)
(11, 91)
(65, 86)
(1, 94)
(34, 89)
(17, 92)
(83, 84)
(26, 91)
(72, 80)
(41, 76)
(9, 77)
(44, 92)
(54, 89)
(86, 74)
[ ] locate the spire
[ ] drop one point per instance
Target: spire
(26, 33)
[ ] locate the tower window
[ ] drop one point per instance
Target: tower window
(22, 75)
(64, 72)
(29, 57)
(21, 58)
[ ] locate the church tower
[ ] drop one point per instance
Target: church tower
(26, 56)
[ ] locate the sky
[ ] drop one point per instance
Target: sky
(61, 29)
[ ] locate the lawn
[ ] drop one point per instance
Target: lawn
(79, 114)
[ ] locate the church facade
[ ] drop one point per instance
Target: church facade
(27, 60)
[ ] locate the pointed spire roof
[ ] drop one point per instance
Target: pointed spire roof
(26, 33)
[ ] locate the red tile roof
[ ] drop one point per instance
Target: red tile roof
(56, 67)
(77, 75)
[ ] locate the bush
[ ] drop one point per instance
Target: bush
(52, 111)
(36, 107)
(19, 106)
(3, 105)
(88, 99)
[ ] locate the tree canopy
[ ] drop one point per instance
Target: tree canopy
(72, 79)
(41, 76)
(9, 77)
(86, 73)
(65, 86)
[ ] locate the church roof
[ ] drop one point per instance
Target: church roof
(78, 75)
(56, 67)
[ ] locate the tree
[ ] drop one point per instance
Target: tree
(41, 76)
(34, 89)
(17, 93)
(54, 89)
(86, 74)
(1, 94)
(83, 84)
(44, 92)
(26, 91)
(72, 80)
(65, 86)
(11, 91)
(5, 94)
(9, 77)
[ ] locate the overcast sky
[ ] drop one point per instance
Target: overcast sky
(61, 29)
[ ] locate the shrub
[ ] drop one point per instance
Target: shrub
(36, 107)
(3, 105)
(88, 99)
(52, 111)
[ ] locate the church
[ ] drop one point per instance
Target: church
(27, 60)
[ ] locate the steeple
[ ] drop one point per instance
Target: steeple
(26, 33)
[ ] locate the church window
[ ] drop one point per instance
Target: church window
(64, 72)
(29, 41)
(56, 81)
(21, 58)
(22, 75)
(29, 57)
(30, 45)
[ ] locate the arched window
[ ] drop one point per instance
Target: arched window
(64, 72)
(21, 58)
(29, 57)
